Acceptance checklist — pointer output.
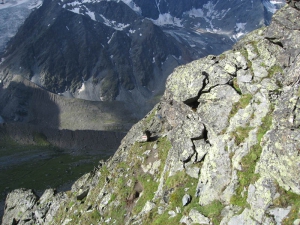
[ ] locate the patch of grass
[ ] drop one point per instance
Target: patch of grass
(236, 86)
(254, 44)
(40, 139)
(274, 69)
(240, 134)
(150, 116)
(149, 188)
(244, 52)
(40, 174)
(179, 184)
(221, 57)
(95, 215)
(212, 211)
(156, 219)
(241, 104)
(263, 64)
(247, 175)
(164, 145)
(288, 198)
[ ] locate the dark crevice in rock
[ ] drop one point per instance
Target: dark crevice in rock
(193, 102)
(194, 149)
(275, 41)
(205, 135)
(190, 157)
(15, 222)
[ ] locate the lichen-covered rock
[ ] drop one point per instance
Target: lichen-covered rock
(25, 207)
(186, 199)
(280, 158)
(17, 207)
(215, 106)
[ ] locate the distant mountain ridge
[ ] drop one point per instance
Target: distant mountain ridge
(123, 50)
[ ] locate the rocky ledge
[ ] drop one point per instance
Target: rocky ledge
(222, 147)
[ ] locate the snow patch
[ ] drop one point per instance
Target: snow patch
(114, 24)
(167, 19)
(195, 13)
(269, 6)
(209, 14)
(82, 89)
(75, 10)
(133, 6)
(240, 30)
(91, 15)
(240, 26)
(108, 42)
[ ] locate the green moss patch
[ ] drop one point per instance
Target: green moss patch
(241, 104)
(236, 86)
(288, 198)
(40, 139)
(247, 175)
(240, 134)
(274, 69)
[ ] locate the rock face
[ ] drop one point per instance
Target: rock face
(226, 133)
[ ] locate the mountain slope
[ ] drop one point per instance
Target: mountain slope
(223, 147)
(117, 50)
(94, 59)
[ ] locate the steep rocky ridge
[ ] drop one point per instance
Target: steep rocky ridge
(223, 149)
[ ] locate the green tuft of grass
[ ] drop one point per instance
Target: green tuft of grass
(288, 198)
(150, 117)
(247, 175)
(149, 188)
(274, 69)
(40, 139)
(240, 134)
(241, 104)
(236, 86)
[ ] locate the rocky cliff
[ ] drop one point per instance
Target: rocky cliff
(221, 147)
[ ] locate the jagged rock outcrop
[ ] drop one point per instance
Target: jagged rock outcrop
(226, 133)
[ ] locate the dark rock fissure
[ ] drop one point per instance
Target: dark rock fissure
(275, 42)
(193, 102)
(204, 137)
